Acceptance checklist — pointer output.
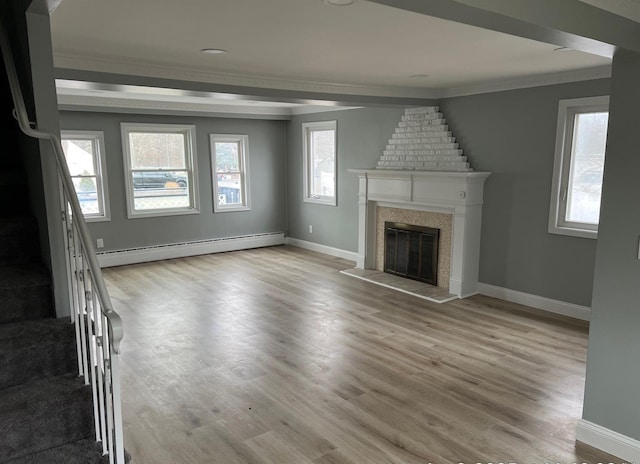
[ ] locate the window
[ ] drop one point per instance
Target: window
(84, 152)
(319, 149)
(579, 164)
(160, 169)
(230, 172)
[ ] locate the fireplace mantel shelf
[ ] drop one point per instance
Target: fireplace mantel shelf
(416, 173)
(457, 193)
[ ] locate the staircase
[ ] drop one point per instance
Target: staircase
(46, 411)
(423, 142)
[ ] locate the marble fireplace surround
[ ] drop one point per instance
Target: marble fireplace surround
(456, 193)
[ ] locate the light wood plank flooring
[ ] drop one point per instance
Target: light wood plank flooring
(273, 356)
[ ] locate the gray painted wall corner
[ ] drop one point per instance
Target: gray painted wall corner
(613, 374)
(362, 135)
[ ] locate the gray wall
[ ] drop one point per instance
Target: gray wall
(512, 134)
(267, 182)
(613, 373)
(362, 135)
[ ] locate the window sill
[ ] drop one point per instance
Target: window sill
(573, 232)
(232, 209)
(321, 201)
(161, 213)
(97, 218)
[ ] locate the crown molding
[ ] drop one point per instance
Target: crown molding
(118, 65)
(600, 72)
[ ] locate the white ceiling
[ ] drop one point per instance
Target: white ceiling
(305, 45)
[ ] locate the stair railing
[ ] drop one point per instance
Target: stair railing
(98, 327)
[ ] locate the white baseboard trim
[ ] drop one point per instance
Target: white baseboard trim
(608, 441)
(183, 250)
(327, 250)
(535, 301)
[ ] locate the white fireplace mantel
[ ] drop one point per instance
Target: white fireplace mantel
(456, 193)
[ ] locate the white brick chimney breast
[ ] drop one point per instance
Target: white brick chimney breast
(423, 168)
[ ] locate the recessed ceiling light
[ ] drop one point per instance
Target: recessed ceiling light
(338, 2)
(213, 51)
(563, 49)
(419, 76)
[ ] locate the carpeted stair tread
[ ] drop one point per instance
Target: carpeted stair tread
(43, 414)
(31, 350)
(12, 178)
(31, 334)
(25, 293)
(19, 242)
(18, 224)
(14, 195)
(23, 275)
(85, 451)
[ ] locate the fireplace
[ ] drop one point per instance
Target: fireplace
(429, 219)
(455, 194)
(411, 251)
(423, 171)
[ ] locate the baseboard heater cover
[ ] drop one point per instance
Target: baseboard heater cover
(185, 249)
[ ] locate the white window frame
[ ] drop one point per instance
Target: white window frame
(189, 132)
(100, 169)
(243, 156)
(567, 111)
(307, 129)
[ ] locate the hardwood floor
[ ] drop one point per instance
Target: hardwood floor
(273, 356)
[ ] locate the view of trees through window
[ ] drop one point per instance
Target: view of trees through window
(156, 150)
(587, 167)
(323, 157)
(80, 156)
(227, 157)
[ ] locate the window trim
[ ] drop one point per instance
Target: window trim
(567, 110)
(243, 141)
(100, 167)
(189, 131)
(307, 128)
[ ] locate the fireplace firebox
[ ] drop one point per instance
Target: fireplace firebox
(411, 251)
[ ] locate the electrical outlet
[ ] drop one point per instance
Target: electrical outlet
(310, 229)
(100, 243)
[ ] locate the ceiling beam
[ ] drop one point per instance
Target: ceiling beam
(123, 82)
(44, 6)
(566, 23)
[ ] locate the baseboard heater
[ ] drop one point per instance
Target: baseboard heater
(185, 249)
